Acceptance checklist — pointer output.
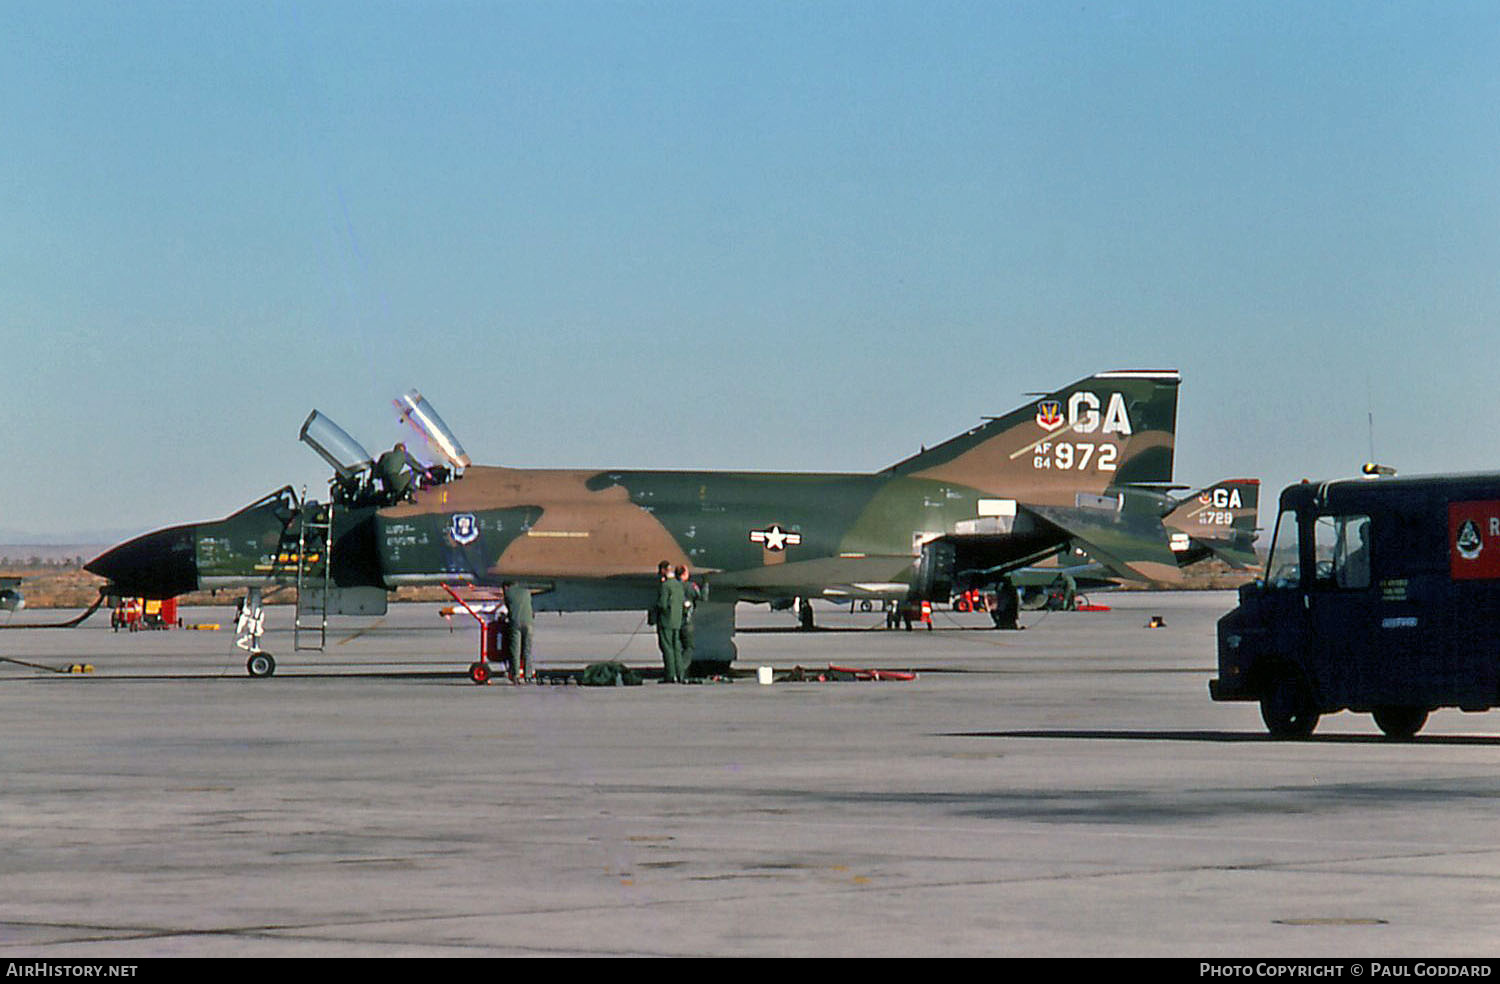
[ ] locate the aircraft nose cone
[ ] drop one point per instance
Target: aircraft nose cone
(158, 565)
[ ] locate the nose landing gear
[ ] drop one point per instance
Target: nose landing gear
(260, 664)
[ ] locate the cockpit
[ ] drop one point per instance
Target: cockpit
(361, 479)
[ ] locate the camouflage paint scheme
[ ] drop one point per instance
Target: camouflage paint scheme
(1219, 521)
(1003, 495)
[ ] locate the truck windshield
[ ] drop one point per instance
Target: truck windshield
(1282, 566)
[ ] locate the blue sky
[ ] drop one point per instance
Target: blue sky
(805, 236)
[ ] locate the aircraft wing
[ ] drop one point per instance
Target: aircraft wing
(1086, 577)
(1238, 555)
(835, 578)
(1134, 547)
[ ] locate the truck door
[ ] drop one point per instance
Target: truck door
(1274, 650)
(1284, 613)
(1343, 605)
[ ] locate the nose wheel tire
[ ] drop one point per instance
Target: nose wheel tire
(260, 665)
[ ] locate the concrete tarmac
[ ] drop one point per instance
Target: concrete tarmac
(1068, 790)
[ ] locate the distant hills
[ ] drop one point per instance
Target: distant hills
(16, 538)
(17, 555)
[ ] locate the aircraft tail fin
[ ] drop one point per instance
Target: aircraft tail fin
(1110, 428)
(1217, 521)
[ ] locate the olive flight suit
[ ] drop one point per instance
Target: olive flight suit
(518, 600)
(669, 610)
(394, 472)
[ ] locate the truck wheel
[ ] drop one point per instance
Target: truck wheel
(1287, 709)
(1400, 722)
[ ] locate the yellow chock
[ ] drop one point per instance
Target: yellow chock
(81, 668)
(1157, 622)
(204, 627)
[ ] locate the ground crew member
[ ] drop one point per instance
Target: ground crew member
(1007, 606)
(663, 571)
(691, 595)
(518, 637)
(1062, 594)
(669, 609)
(395, 473)
(498, 630)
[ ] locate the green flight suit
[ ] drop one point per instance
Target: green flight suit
(518, 601)
(1070, 593)
(393, 470)
(669, 609)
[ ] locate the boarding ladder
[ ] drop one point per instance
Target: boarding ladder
(314, 576)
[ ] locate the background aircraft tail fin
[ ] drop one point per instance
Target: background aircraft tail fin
(1110, 428)
(1219, 520)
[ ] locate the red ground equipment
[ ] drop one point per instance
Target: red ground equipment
(492, 641)
(972, 600)
(133, 614)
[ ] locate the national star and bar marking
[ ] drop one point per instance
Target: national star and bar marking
(775, 538)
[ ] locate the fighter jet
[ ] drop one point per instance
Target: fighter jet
(1006, 494)
(1218, 521)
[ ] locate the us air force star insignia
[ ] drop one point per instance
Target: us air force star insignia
(775, 538)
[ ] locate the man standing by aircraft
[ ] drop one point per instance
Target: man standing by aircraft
(691, 595)
(669, 610)
(518, 636)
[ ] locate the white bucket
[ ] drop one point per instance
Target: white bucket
(765, 675)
